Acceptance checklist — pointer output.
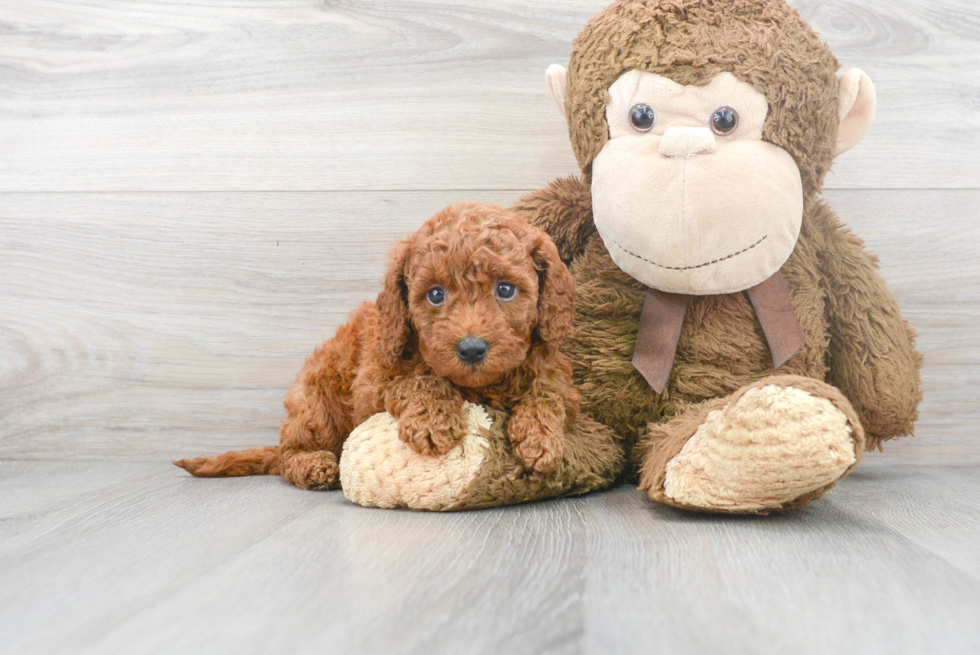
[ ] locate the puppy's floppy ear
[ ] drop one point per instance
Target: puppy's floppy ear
(556, 296)
(394, 328)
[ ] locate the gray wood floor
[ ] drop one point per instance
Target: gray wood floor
(110, 557)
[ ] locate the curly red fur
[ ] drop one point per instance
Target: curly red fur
(398, 354)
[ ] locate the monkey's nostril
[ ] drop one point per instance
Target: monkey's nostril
(472, 350)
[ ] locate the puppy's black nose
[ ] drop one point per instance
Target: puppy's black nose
(472, 350)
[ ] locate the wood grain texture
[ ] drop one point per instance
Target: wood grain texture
(176, 320)
(873, 567)
(103, 557)
(112, 95)
(146, 325)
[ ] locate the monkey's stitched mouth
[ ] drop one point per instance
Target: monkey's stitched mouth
(690, 268)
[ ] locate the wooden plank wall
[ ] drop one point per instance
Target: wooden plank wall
(192, 195)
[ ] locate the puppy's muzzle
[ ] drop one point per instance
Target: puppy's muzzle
(472, 350)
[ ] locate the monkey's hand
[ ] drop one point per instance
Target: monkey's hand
(377, 469)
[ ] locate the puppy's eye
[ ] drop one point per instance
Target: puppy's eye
(436, 296)
(642, 117)
(724, 121)
(506, 291)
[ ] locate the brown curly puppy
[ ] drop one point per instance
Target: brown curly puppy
(475, 306)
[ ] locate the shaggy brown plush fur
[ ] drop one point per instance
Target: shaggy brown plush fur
(838, 295)
(853, 335)
(692, 41)
(400, 354)
(592, 461)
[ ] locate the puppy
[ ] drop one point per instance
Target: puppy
(474, 307)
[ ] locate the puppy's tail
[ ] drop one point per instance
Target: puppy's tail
(257, 461)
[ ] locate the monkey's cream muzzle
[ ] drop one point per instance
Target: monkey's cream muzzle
(719, 221)
(684, 210)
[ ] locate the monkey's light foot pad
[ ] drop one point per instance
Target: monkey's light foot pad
(769, 448)
(377, 469)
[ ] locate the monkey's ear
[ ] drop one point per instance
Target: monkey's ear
(856, 101)
(394, 328)
(557, 77)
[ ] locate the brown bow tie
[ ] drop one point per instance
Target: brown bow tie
(662, 318)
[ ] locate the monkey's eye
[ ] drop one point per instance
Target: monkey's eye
(642, 117)
(506, 291)
(436, 296)
(724, 121)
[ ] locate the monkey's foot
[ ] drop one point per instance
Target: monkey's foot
(377, 469)
(776, 444)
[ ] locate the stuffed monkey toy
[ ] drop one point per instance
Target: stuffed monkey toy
(735, 337)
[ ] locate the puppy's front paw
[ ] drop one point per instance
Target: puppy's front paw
(535, 443)
(432, 430)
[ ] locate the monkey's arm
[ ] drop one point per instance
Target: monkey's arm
(564, 210)
(873, 357)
